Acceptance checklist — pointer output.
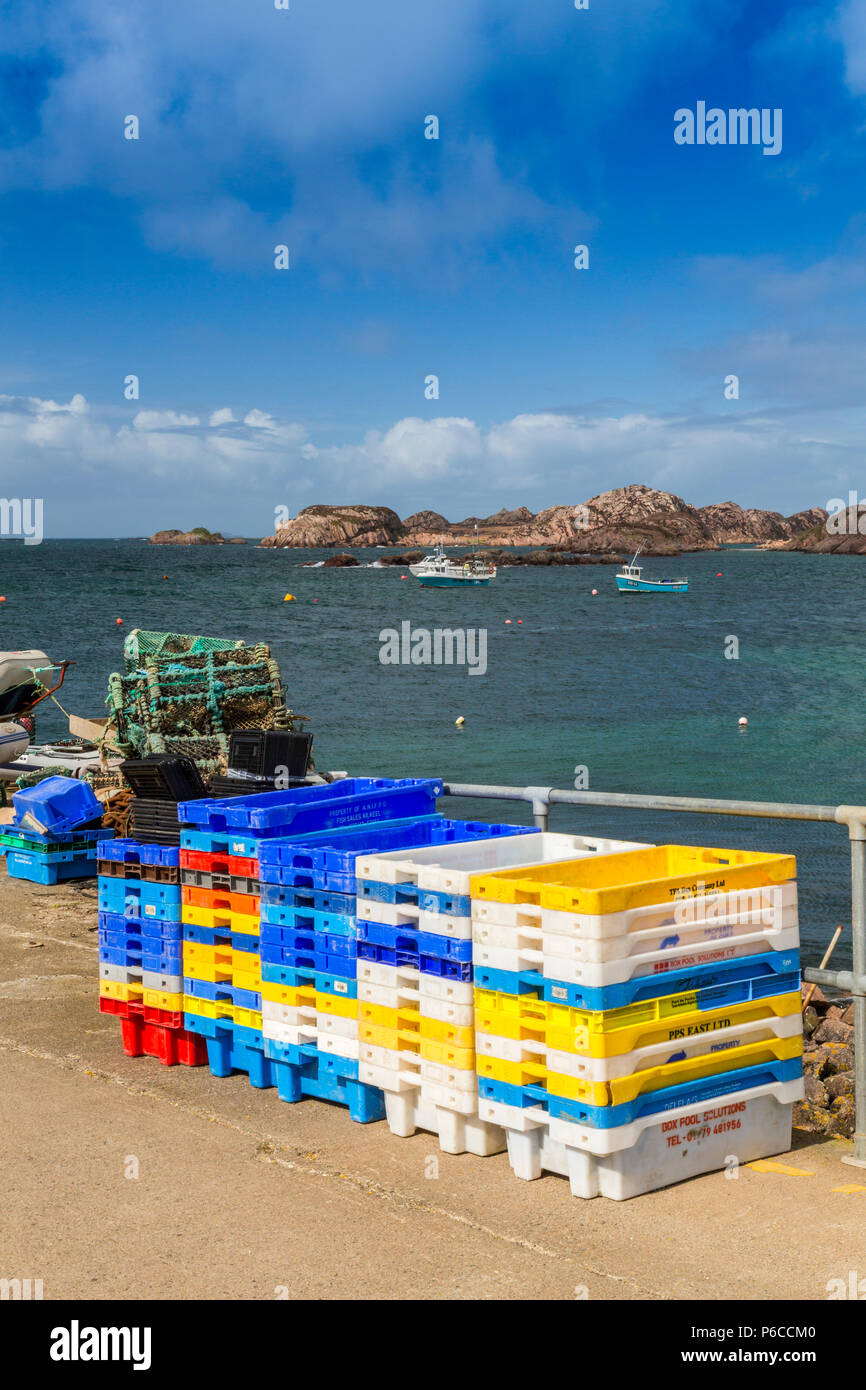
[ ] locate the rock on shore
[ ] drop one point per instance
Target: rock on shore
(828, 1067)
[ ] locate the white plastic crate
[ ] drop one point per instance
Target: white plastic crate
(290, 1014)
(596, 975)
(448, 868)
(336, 1025)
(396, 997)
(392, 976)
(411, 1110)
(450, 1098)
(406, 1064)
(336, 1046)
(414, 918)
(769, 907)
(727, 922)
(460, 1015)
(293, 1035)
(454, 1078)
(654, 1151)
(639, 1059)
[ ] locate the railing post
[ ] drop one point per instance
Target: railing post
(857, 833)
(540, 798)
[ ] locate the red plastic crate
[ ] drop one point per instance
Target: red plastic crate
(122, 1008)
(215, 862)
(170, 1045)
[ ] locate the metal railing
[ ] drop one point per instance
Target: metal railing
(854, 817)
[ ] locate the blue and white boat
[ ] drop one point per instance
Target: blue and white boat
(440, 571)
(630, 580)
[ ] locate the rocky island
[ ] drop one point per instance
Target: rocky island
(198, 536)
(607, 525)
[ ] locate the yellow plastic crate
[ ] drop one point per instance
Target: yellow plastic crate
(293, 995)
(223, 965)
(612, 1032)
(436, 1030)
(461, 1058)
(216, 918)
(115, 989)
(382, 1017)
(625, 1088)
(161, 999)
(637, 878)
(221, 1008)
(394, 1039)
(332, 1004)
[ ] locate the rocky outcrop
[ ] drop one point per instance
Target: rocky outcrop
(735, 525)
(841, 533)
(622, 519)
(199, 536)
(319, 526)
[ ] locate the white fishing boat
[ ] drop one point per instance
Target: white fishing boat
(441, 571)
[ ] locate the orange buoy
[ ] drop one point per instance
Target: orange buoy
(119, 621)
(719, 575)
(2, 598)
(520, 620)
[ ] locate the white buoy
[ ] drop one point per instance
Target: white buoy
(595, 591)
(743, 721)
(460, 721)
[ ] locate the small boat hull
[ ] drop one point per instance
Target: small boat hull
(651, 586)
(442, 581)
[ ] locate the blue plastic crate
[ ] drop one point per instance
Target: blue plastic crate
(114, 924)
(133, 898)
(59, 842)
(409, 954)
(650, 1102)
(231, 1048)
(307, 919)
(404, 938)
(775, 968)
(127, 953)
(304, 1072)
(251, 846)
(352, 802)
(331, 866)
(21, 863)
(312, 899)
(213, 936)
(139, 852)
(56, 805)
(325, 981)
(225, 993)
(428, 899)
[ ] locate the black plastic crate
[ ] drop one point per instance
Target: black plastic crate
(223, 786)
(260, 752)
(164, 777)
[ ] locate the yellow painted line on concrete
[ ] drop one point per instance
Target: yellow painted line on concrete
(769, 1165)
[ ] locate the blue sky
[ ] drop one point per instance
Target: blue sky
(262, 388)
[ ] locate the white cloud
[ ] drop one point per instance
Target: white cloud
(164, 420)
(222, 417)
(77, 458)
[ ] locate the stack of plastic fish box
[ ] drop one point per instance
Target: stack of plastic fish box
(140, 950)
(365, 1006)
(638, 1015)
(417, 1016)
(55, 831)
(265, 977)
